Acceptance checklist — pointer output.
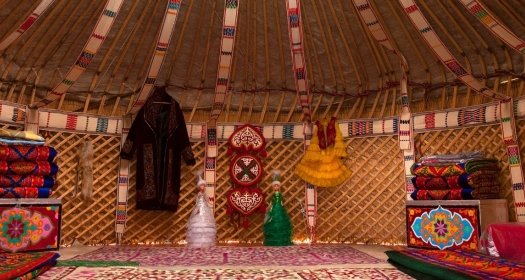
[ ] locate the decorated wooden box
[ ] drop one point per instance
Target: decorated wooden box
(30, 224)
(442, 224)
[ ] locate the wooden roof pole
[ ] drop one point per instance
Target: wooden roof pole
(345, 45)
(266, 64)
(205, 60)
(333, 49)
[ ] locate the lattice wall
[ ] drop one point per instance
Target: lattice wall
(368, 208)
(91, 222)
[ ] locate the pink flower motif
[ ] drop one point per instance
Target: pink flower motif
(440, 228)
(15, 228)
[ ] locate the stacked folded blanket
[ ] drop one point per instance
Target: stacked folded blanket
(455, 177)
(27, 167)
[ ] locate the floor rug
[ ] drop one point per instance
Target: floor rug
(455, 264)
(233, 256)
(220, 274)
(27, 265)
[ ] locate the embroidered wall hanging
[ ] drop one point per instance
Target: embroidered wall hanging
(246, 171)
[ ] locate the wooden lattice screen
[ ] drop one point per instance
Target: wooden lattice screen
(369, 208)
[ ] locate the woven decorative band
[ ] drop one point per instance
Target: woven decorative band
(28, 23)
(79, 122)
(101, 30)
(295, 31)
(229, 27)
(495, 26)
(121, 206)
(163, 42)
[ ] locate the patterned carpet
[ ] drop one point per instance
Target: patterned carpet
(222, 256)
(202, 274)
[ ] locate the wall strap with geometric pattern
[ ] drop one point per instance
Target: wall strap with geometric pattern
(98, 35)
(229, 31)
(506, 109)
(494, 25)
(443, 53)
(405, 133)
(28, 23)
(508, 129)
(161, 48)
(121, 205)
(295, 35)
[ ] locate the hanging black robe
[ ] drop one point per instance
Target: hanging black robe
(159, 137)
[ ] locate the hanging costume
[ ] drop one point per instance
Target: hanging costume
(159, 137)
(321, 164)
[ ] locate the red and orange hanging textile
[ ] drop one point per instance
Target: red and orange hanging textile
(246, 170)
(321, 165)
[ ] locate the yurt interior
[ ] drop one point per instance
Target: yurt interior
(262, 139)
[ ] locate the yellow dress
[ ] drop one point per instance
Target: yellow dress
(323, 167)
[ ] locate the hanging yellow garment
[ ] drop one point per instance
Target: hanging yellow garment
(324, 167)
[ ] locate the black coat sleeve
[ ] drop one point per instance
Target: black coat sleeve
(187, 152)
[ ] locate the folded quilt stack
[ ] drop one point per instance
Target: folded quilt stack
(27, 167)
(455, 177)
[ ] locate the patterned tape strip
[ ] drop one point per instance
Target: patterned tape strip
(12, 113)
(495, 26)
(163, 42)
(121, 206)
(229, 30)
(476, 115)
(295, 31)
(508, 129)
(58, 120)
(101, 30)
(405, 132)
(28, 22)
(443, 53)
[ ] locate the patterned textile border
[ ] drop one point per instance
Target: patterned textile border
(163, 42)
(443, 53)
(295, 36)
(79, 122)
(406, 130)
(101, 30)
(496, 27)
(508, 130)
(234, 256)
(21, 265)
(456, 264)
(474, 115)
(28, 22)
(229, 28)
(121, 207)
(204, 274)
(12, 113)
(295, 33)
